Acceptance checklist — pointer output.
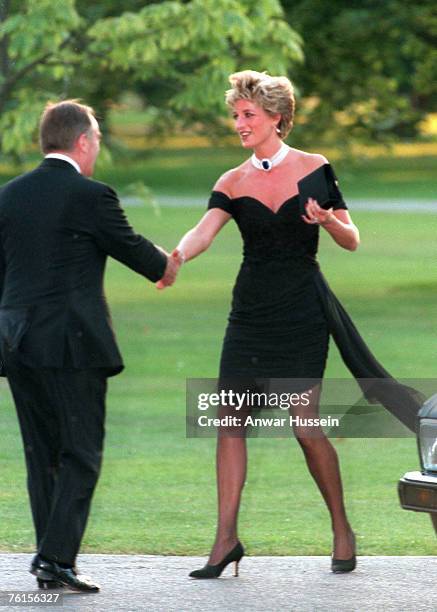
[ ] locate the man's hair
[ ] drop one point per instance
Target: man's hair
(62, 123)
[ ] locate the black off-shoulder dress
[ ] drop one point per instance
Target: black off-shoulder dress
(283, 311)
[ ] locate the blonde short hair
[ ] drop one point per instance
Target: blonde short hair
(275, 95)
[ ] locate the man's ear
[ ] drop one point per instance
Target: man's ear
(82, 143)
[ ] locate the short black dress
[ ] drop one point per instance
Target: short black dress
(277, 327)
(283, 311)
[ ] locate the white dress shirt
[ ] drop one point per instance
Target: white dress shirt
(64, 158)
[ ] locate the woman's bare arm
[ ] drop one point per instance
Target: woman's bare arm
(199, 238)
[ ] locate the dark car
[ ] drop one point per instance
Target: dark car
(418, 490)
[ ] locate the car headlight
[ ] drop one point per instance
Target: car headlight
(427, 437)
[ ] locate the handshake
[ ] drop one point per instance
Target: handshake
(174, 262)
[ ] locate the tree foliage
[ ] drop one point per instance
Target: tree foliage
(370, 70)
(370, 67)
(68, 49)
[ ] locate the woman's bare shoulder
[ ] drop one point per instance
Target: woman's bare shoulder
(227, 182)
(310, 161)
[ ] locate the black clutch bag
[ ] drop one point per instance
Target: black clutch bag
(321, 185)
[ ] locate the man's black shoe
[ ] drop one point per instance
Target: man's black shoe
(48, 585)
(42, 582)
(68, 577)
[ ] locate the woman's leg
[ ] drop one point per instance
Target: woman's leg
(231, 462)
(322, 462)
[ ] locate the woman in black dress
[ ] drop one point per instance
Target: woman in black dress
(278, 326)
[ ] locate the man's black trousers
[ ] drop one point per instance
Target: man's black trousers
(61, 414)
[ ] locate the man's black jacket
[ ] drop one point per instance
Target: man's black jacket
(57, 228)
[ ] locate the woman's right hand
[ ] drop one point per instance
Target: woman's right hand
(174, 262)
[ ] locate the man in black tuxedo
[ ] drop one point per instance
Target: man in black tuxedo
(57, 227)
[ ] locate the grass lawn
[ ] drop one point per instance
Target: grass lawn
(157, 490)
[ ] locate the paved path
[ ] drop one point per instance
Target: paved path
(384, 205)
(146, 583)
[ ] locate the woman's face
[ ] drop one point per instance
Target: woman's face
(253, 124)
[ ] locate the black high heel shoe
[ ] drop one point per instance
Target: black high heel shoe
(341, 566)
(214, 571)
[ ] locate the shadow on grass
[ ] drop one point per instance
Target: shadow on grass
(415, 290)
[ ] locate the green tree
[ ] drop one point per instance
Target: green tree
(370, 68)
(54, 49)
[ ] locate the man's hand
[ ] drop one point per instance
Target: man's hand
(174, 262)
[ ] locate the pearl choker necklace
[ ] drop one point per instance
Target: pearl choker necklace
(267, 164)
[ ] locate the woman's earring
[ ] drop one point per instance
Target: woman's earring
(278, 130)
